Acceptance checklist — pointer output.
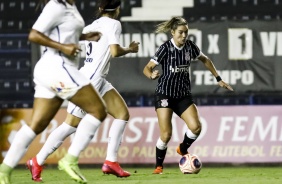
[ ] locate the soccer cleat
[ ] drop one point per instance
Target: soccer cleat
(4, 178)
(158, 170)
(72, 170)
(114, 168)
(35, 169)
(179, 151)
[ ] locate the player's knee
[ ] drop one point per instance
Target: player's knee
(124, 115)
(39, 126)
(102, 114)
(166, 137)
(99, 113)
(197, 128)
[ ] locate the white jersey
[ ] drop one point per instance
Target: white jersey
(98, 53)
(97, 64)
(65, 29)
(56, 74)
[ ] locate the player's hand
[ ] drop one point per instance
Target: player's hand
(70, 49)
(134, 46)
(225, 85)
(155, 74)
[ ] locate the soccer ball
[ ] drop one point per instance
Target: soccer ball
(190, 164)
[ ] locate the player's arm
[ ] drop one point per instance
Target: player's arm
(149, 71)
(41, 39)
(116, 50)
(91, 36)
(210, 66)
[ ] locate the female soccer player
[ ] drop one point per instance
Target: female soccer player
(59, 28)
(96, 67)
(173, 91)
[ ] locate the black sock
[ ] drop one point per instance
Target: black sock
(187, 142)
(160, 156)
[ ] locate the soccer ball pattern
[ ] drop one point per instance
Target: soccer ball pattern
(190, 164)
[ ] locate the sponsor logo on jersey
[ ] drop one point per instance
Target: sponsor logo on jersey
(180, 68)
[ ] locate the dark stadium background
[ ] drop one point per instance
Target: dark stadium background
(18, 56)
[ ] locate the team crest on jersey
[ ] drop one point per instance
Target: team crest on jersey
(164, 102)
(187, 56)
(171, 49)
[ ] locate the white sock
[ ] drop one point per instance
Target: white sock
(55, 139)
(161, 145)
(83, 135)
(115, 137)
(19, 146)
(191, 135)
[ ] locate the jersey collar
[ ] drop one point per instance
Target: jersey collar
(179, 48)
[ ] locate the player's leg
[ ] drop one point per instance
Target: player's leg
(165, 126)
(192, 120)
(91, 102)
(84, 133)
(54, 140)
(88, 99)
(43, 111)
(116, 107)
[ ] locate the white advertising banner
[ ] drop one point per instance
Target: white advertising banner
(230, 134)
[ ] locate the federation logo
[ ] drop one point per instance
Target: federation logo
(164, 102)
(58, 87)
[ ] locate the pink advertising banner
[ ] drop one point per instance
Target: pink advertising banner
(230, 134)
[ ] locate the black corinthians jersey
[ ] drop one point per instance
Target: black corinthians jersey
(174, 81)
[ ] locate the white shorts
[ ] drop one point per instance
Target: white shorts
(53, 77)
(101, 85)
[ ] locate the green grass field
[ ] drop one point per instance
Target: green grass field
(171, 175)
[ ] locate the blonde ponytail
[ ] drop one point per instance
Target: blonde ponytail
(171, 24)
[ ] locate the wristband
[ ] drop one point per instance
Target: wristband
(218, 78)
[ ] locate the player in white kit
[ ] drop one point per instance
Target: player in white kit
(96, 67)
(59, 28)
